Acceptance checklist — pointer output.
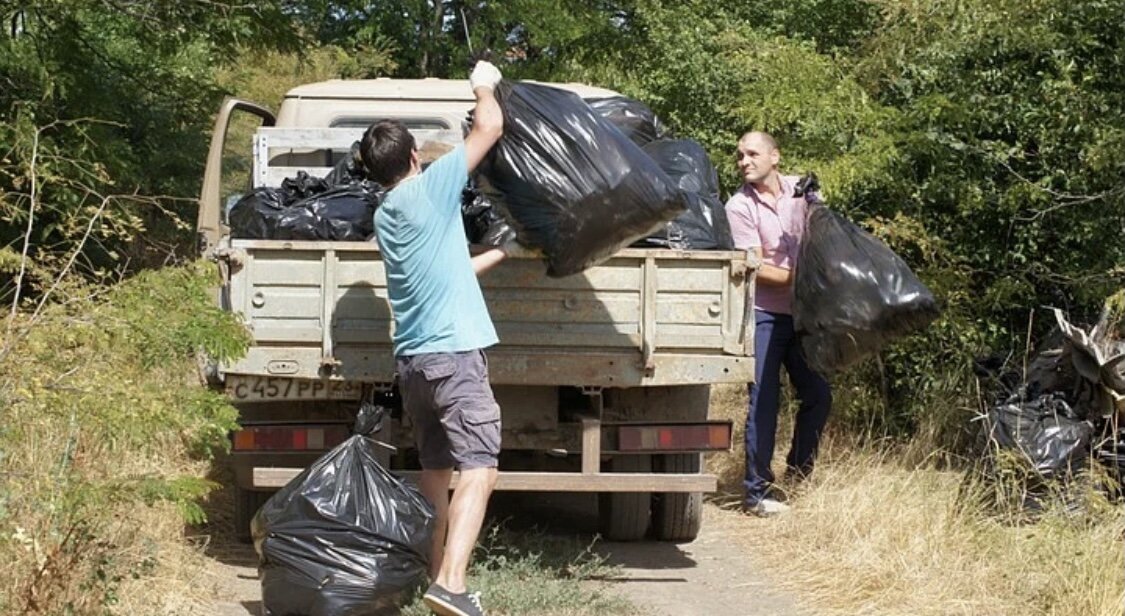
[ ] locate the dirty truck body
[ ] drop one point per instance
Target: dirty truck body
(603, 377)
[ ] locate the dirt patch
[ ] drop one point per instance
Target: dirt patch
(715, 574)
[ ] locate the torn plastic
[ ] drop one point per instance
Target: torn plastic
(852, 293)
(704, 225)
(570, 183)
(1064, 408)
(343, 537)
(632, 117)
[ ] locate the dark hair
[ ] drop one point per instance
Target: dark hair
(386, 149)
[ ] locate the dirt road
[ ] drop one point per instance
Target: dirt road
(712, 576)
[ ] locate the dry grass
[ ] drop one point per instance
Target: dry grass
(104, 430)
(870, 535)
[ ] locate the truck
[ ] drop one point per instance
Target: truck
(603, 377)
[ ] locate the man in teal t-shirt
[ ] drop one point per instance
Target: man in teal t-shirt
(442, 327)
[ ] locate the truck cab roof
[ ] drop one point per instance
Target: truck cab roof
(427, 104)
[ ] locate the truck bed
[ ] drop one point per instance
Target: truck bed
(645, 317)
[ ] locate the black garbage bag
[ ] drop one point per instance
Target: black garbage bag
(1044, 430)
(704, 226)
(852, 293)
(631, 117)
(256, 216)
(303, 186)
(483, 224)
(344, 213)
(349, 170)
(308, 208)
(343, 538)
(570, 183)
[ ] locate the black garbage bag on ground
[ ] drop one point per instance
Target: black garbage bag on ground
(704, 226)
(569, 182)
(1045, 430)
(343, 538)
(852, 293)
(631, 117)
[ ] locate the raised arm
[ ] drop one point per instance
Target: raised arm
(488, 120)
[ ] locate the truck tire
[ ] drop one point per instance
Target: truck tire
(625, 515)
(678, 516)
(246, 504)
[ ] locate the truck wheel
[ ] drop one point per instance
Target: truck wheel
(677, 516)
(246, 504)
(625, 515)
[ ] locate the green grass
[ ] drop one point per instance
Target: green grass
(531, 572)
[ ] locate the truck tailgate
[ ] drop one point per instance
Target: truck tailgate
(644, 317)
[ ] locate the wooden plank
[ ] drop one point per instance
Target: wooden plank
(700, 309)
(591, 335)
(519, 275)
(276, 137)
(689, 277)
(591, 446)
(513, 481)
(361, 303)
(288, 331)
(276, 267)
(285, 303)
(648, 312)
(576, 309)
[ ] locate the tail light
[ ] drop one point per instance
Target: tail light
(289, 438)
(706, 436)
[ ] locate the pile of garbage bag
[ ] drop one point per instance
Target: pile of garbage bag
(704, 225)
(569, 177)
(1064, 410)
(851, 293)
(343, 537)
(569, 182)
(632, 117)
(339, 207)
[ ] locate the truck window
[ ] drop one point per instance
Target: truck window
(360, 124)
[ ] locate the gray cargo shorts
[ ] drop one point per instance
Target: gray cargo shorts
(456, 418)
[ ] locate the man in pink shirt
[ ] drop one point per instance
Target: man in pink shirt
(766, 218)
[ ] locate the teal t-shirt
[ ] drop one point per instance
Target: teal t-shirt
(434, 294)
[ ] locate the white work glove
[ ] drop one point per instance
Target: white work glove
(484, 75)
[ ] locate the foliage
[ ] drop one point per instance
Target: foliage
(104, 418)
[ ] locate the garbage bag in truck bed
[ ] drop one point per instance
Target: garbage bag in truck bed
(631, 117)
(704, 226)
(569, 182)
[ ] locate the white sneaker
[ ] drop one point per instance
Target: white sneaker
(768, 507)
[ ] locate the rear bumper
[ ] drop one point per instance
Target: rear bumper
(271, 478)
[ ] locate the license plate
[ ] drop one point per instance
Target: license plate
(251, 388)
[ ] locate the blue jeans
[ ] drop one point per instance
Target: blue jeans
(776, 344)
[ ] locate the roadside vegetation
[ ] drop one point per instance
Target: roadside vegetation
(983, 140)
(876, 530)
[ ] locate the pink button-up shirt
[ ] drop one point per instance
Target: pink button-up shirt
(777, 230)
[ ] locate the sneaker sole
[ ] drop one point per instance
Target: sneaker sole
(441, 608)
